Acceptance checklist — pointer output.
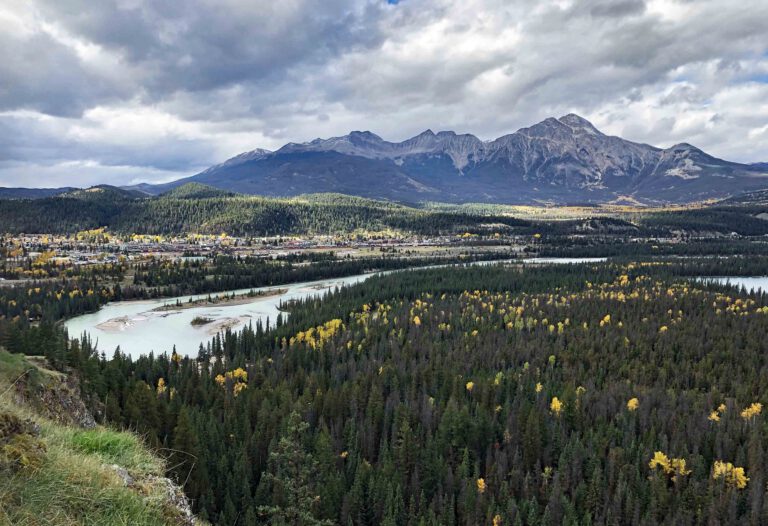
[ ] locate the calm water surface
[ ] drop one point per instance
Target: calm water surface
(751, 283)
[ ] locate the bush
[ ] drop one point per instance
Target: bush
(19, 446)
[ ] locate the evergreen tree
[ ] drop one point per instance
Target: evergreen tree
(291, 474)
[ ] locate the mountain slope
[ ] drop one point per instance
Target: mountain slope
(565, 160)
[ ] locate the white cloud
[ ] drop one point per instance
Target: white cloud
(142, 90)
(86, 172)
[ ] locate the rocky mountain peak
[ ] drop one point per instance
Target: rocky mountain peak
(559, 158)
(683, 147)
(366, 136)
(577, 122)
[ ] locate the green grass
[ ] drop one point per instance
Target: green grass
(72, 488)
(11, 367)
(121, 448)
(76, 483)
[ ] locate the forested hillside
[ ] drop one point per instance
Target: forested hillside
(196, 208)
(201, 209)
(590, 394)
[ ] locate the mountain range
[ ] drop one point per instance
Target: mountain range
(565, 160)
(558, 161)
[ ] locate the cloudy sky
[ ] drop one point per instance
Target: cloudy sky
(125, 91)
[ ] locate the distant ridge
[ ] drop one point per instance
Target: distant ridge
(31, 193)
(559, 161)
(196, 191)
(103, 191)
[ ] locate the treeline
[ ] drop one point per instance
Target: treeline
(741, 220)
(29, 314)
(727, 266)
(236, 215)
(54, 300)
(43, 266)
(635, 247)
(164, 279)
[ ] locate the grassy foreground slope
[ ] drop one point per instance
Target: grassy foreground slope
(54, 473)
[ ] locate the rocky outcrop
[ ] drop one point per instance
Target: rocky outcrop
(179, 509)
(176, 500)
(55, 396)
(55, 451)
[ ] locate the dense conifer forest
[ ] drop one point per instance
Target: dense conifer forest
(644, 248)
(160, 278)
(608, 393)
(201, 209)
(183, 211)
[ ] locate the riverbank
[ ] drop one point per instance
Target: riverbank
(220, 300)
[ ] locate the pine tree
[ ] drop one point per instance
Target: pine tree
(184, 461)
(532, 439)
(291, 472)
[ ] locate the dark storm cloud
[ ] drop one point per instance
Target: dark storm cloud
(201, 45)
